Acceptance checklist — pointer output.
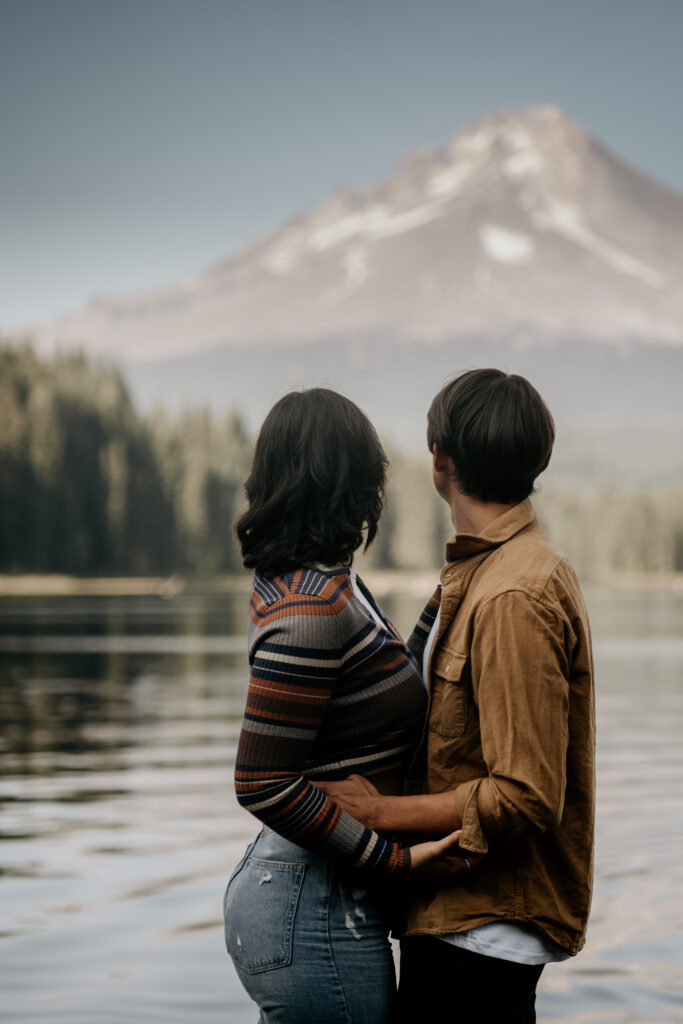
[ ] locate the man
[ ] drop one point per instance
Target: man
(507, 752)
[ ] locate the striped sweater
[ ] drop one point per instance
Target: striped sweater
(333, 691)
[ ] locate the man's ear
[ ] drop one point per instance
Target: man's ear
(440, 461)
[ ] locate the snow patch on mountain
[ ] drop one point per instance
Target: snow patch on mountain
(378, 222)
(522, 164)
(565, 218)
(355, 269)
(477, 141)
(449, 180)
(281, 258)
(506, 246)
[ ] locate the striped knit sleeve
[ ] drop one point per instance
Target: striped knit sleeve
(423, 626)
(295, 663)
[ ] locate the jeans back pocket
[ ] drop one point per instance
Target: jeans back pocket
(260, 907)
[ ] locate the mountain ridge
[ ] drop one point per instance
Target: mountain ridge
(524, 227)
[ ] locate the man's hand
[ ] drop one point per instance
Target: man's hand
(441, 859)
(357, 796)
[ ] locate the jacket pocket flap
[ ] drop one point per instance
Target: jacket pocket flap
(449, 665)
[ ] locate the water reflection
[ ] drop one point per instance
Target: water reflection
(118, 724)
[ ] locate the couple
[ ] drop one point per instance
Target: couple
(443, 788)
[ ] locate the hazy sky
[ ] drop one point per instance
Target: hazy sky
(144, 139)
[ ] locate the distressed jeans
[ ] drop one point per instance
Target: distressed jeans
(308, 942)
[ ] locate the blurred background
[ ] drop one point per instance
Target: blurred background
(204, 205)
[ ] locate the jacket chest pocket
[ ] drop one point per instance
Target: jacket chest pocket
(450, 686)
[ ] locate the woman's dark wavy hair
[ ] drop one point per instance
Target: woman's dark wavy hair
(316, 486)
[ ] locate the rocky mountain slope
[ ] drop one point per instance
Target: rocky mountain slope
(523, 244)
(524, 228)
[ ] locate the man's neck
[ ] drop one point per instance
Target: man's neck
(470, 515)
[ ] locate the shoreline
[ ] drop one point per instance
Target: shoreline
(381, 582)
(63, 585)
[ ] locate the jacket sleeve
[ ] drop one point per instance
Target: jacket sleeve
(293, 677)
(520, 677)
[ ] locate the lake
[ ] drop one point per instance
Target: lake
(119, 718)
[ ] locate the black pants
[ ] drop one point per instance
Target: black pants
(435, 974)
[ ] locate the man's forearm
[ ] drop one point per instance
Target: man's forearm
(428, 815)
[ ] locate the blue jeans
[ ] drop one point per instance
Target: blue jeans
(309, 943)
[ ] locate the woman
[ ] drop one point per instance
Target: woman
(333, 691)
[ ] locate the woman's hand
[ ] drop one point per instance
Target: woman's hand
(442, 858)
(355, 795)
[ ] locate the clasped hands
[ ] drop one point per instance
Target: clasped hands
(433, 859)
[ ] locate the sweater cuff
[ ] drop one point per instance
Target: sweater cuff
(403, 860)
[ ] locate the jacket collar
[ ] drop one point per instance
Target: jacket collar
(464, 545)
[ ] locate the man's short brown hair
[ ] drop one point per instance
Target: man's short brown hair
(497, 430)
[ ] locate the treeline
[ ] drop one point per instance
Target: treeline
(90, 486)
(605, 532)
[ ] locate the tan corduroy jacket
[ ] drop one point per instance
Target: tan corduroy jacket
(511, 732)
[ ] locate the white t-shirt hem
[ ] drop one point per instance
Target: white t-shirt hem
(508, 941)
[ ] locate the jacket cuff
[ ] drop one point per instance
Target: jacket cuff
(473, 839)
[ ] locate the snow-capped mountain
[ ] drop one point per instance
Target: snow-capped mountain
(523, 229)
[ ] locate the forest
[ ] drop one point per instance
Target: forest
(90, 486)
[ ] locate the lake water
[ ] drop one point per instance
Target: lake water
(118, 723)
